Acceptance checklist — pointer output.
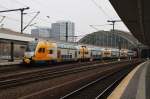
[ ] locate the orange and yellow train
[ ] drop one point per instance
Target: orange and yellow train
(55, 52)
(52, 52)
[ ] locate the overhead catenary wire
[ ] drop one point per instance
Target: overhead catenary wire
(17, 20)
(40, 19)
(3, 17)
(33, 11)
(101, 9)
(12, 19)
(9, 17)
(97, 29)
(31, 20)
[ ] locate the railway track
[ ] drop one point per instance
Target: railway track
(101, 87)
(8, 81)
(8, 68)
(61, 91)
(14, 69)
(56, 87)
(17, 68)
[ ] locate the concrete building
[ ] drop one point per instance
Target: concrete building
(41, 32)
(63, 31)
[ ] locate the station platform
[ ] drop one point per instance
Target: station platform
(136, 85)
(6, 62)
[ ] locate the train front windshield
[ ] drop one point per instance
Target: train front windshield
(31, 47)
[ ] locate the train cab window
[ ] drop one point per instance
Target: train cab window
(41, 50)
(50, 51)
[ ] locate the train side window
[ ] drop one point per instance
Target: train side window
(50, 51)
(70, 56)
(67, 56)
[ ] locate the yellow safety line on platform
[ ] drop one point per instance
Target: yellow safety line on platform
(117, 93)
(141, 92)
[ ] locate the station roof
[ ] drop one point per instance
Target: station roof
(135, 14)
(8, 34)
(126, 35)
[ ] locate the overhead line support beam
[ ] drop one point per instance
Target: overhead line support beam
(21, 10)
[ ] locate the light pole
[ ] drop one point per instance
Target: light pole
(113, 24)
(119, 45)
(66, 31)
(29, 24)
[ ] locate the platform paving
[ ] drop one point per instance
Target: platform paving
(136, 85)
(6, 62)
(148, 82)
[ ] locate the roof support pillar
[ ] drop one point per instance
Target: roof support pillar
(141, 18)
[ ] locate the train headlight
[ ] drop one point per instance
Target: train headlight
(27, 61)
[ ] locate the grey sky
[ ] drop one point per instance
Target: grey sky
(82, 12)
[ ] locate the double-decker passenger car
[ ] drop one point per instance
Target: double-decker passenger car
(52, 52)
(55, 52)
(106, 53)
(49, 52)
(96, 53)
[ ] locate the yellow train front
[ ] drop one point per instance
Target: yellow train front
(40, 52)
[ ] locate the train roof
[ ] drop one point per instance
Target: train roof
(66, 45)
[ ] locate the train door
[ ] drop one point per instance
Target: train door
(75, 54)
(59, 55)
(82, 51)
